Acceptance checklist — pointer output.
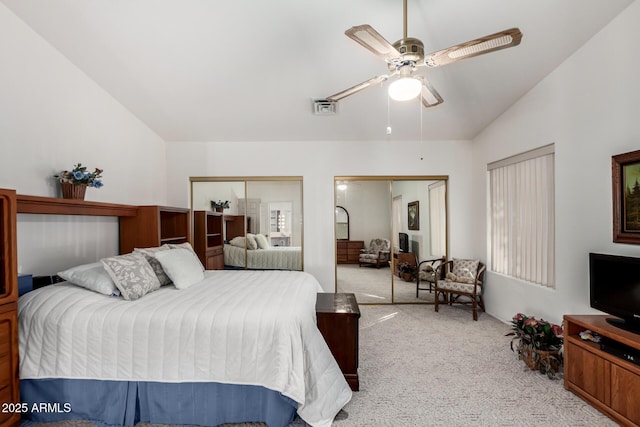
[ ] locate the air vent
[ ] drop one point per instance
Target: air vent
(324, 107)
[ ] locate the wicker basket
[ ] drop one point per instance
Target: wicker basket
(534, 358)
(73, 191)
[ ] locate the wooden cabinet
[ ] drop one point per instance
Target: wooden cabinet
(338, 316)
(348, 251)
(402, 257)
(605, 380)
(207, 239)
(234, 226)
(154, 226)
(9, 379)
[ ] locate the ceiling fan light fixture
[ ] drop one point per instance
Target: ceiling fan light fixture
(405, 89)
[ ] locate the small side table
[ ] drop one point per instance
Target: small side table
(337, 316)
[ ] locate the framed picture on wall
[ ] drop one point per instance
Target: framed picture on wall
(413, 220)
(625, 178)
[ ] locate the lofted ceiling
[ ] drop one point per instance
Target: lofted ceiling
(242, 70)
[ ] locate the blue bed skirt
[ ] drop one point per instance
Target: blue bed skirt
(125, 403)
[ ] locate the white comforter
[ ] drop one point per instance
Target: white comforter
(241, 327)
(273, 258)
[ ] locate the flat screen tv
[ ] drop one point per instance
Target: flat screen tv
(614, 287)
(403, 241)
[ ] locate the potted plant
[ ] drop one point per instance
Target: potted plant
(219, 206)
(538, 343)
(74, 182)
(407, 271)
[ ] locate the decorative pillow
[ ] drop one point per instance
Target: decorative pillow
(132, 274)
(182, 266)
(187, 246)
(262, 241)
(460, 279)
(465, 268)
(150, 254)
(91, 276)
(251, 242)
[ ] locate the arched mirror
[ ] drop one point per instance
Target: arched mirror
(342, 223)
(396, 223)
(261, 219)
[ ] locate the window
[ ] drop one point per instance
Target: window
(521, 220)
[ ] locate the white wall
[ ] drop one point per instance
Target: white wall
(318, 163)
(589, 108)
(53, 116)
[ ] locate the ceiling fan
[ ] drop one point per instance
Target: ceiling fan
(405, 56)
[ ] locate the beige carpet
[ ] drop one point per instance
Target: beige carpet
(420, 368)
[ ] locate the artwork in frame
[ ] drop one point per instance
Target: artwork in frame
(413, 210)
(625, 178)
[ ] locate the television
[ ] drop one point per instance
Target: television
(614, 287)
(403, 241)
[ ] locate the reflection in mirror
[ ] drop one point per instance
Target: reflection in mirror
(342, 223)
(263, 224)
(409, 213)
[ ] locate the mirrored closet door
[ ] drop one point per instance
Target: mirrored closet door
(262, 219)
(396, 226)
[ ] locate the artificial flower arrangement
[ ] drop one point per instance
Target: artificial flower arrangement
(80, 176)
(220, 204)
(405, 267)
(539, 341)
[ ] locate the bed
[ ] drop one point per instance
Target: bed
(238, 346)
(270, 258)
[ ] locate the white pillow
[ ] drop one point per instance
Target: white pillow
(187, 246)
(262, 241)
(237, 241)
(132, 274)
(91, 276)
(182, 266)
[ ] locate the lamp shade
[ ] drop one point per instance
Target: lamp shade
(405, 88)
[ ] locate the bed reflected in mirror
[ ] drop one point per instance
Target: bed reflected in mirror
(397, 224)
(263, 222)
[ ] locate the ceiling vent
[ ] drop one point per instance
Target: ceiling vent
(324, 107)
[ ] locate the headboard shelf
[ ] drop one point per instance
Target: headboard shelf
(57, 206)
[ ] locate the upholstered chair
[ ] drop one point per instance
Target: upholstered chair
(462, 284)
(427, 270)
(377, 254)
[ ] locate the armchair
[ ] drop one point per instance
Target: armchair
(428, 274)
(377, 254)
(462, 278)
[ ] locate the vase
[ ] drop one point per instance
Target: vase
(219, 209)
(73, 191)
(535, 359)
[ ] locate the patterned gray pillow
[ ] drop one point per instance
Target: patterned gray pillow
(465, 268)
(132, 275)
(150, 254)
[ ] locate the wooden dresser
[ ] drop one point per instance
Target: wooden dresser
(338, 316)
(348, 251)
(9, 380)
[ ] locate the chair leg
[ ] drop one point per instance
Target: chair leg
(435, 304)
(474, 307)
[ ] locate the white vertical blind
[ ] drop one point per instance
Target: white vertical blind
(522, 225)
(397, 220)
(438, 218)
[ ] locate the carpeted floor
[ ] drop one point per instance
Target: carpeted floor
(373, 285)
(421, 368)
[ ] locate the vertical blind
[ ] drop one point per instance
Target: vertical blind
(522, 224)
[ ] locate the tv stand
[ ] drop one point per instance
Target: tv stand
(606, 381)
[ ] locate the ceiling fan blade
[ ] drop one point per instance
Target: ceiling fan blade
(359, 87)
(370, 39)
(486, 44)
(430, 97)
